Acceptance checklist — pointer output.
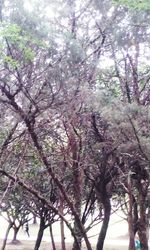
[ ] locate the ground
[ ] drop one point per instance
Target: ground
(28, 245)
(117, 237)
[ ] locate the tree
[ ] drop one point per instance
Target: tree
(15, 211)
(30, 122)
(69, 110)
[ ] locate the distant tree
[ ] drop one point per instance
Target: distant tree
(15, 211)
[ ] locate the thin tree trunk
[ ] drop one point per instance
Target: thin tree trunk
(135, 215)
(52, 237)
(78, 203)
(34, 220)
(6, 236)
(143, 223)
(63, 246)
(131, 233)
(40, 234)
(77, 188)
(130, 217)
(77, 244)
(102, 235)
(16, 230)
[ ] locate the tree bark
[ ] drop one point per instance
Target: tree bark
(143, 221)
(76, 147)
(143, 238)
(34, 219)
(107, 211)
(78, 204)
(40, 234)
(52, 237)
(130, 216)
(77, 244)
(131, 233)
(63, 246)
(16, 230)
(6, 236)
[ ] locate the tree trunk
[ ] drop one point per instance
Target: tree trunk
(131, 233)
(78, 189)
(143, 238)
(131, 228)
(16, 230)
(143, 221)
(34, 219)
(78, 204)
(6, 236)
(107, 211)
(40, 234)
(52, 237)
(63, 246)
(77, 244)
(135, 215)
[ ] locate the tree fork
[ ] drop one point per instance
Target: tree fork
(30, 127)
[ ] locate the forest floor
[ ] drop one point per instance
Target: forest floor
(114, 241)
(117, 237)
(29, 245)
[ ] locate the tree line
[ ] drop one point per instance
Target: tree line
(74, 116)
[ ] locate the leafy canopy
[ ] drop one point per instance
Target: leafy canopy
(135, 4)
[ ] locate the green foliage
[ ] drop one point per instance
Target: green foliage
(10, 32)
(2, 136)
(11, 62)
(28, 54)
(134, 4)
(35, 162)
(22, 42)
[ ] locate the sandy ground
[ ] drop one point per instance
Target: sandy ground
(28, 245)
(117, 237)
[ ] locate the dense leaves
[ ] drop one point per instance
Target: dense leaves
(135, 4)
